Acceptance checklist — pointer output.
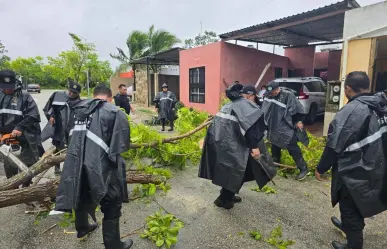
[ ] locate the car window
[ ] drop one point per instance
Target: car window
(313, 86)
(295, 86)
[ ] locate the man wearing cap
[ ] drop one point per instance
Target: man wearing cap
(58, 112)
(283, 115)
(19, 116)
(165, 102)
(232, 147)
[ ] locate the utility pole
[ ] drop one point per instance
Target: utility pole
(88, 82)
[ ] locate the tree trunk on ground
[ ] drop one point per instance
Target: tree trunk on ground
(42, 191)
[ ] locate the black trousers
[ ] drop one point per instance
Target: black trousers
(227, 195)
(164, 120)
(352, 221)
(294, 151)
(59, 145)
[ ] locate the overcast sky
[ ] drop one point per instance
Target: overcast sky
(40, 27)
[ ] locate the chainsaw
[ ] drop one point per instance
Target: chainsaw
(12, 143)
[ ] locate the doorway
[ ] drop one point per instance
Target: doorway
(379, 79)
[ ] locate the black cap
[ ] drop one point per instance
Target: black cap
(75, 87)
(7, 79)
(249, 89)
(164, 85)
(272, 86)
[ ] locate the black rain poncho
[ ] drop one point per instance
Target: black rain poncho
(165, 102)
(100, 135)
(355, 134)
(58, 106)
(19, 111)
(226, 156)
(279, 112)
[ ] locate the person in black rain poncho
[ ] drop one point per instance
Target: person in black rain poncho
(94, 171)
(283, 115)
(58, 112)
(356, 154)
(165, 102)
(19, 115)
(232, 147)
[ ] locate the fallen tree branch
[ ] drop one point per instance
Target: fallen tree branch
(49, 189)
(49, 159)
(172, 139)
(43, 164)
(284, 166)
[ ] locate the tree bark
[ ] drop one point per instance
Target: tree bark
(49, 189)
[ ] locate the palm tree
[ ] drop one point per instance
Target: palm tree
(141, 44)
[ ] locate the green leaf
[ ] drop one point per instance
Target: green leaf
(155, 229)
(152, 189)
(168, 243)
(159, 243)
(174, 231)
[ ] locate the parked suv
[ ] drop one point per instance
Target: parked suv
(310, 91)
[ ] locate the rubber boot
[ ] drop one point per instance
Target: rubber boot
(301, 165)
(57, 169)
(235, 198)
(111, 235)
(337, 223)
(338, 245)
(82, 225)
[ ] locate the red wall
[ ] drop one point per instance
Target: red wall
(301, 58)
(209, 57)
(246, 64)
(225, 61)
(321, 60)
(334, 64)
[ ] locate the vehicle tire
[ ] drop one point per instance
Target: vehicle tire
(311, 117)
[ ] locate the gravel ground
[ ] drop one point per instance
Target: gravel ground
(302, 209)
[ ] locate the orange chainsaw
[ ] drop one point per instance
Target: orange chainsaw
(11, 142)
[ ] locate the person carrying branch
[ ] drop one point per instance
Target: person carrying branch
(165, 102)
(283, 115)
(19, 116)
(58, 112)
(94, 171)
(231, 147)
(356, 150)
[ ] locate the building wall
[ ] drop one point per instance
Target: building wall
(141, 95)
(301, 58)
(246, 65)
(205, 56)
(321, 60)
(363, 20)
(334, 64)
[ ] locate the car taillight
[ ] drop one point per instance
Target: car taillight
(302, 95)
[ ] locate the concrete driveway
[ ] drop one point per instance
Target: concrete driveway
(302, 209)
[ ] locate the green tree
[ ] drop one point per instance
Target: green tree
(4, 59)
(141, 44)
(201, 39)
(30, 68)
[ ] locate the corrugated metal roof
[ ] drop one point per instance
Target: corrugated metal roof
(168, 57)
(327, 29)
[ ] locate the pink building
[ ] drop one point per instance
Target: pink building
(203, 70)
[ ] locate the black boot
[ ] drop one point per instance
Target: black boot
(82, 225)
(57, 170)
(235, 198)
(301, 165)
(111, 235)
(338, 245)
(337, 223)
(219, 202)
